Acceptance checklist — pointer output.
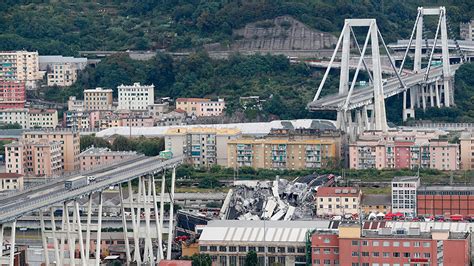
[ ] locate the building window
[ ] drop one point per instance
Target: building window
(327, 251)
(222, 248)
(271, 249)
(336, 250)
(315, 250)
(375, 243)
(426, 244)
(386, 244)
(396, 254)
(301, 250)
(355, 242)
(355, 254)
(375, 254)
(213, 248)
(327, 240)
(406, 254)
(365, 254)
(232, 249)
(396, 244)
(365, 243)
(281, 249)
(427, 255)
(386, 254)
(242, 249)
(316, 262)
(261, 249)
(203, 248)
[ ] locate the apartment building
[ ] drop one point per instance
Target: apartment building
(282, 153)
(332, 201)
(43, 118)
(11, 181)
(96, 157)
(404, 198)
(399, 150)
(389, 246)
(20, 66)
(74, 104)
(39, 158)
(70, 145)
(202, 146)
(467, 150)
(135, 97)
(200, 106)
(12, 116)
(98, 99)
(76, 120)
(445, 200)
(173, 118)
(62, 75)
(12, 94)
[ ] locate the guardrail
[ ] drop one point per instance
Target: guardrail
(13, 212)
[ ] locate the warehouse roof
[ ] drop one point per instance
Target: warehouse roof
(261, 128)
(259, 231)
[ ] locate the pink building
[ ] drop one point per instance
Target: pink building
(12, 94)
(97, 157)
(201, 106)
(138, 122)
(404, 149)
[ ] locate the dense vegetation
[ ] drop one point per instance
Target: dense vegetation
(146, 146)
(67, 26)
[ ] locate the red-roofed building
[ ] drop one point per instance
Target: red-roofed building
(337, 201)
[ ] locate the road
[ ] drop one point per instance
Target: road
(14, 206)
(361, 97)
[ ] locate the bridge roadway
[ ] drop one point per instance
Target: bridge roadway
(15, 206)
(361, 97)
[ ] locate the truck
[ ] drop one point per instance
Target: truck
(76, 182)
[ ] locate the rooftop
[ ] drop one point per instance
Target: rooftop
(337, 191)
(260, 128)
(376, 199)
(9, 175)
(95, 151)
(42, 111)
(405, 179)
(193, 100)
(447, 188)
(202, 130)
(259, 231)
(136, 85)
(98, 89)
(280, 141)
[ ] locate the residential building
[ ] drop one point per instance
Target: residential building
(445, 200)
(12, 94)
(467, 150)
(202, 146)
(43, 118)
(11, 181)
(201, 106)
(76, 120)
(404, 149)
(70, 145)
(135, 97)
(282, 242)
(467, 30)
(39, 158)
(389, 246)
(74, 104)
(376, 203)
(96, 157)
(62, 75)
(20, 66)
(332, 201)
(157, 110)
(404, 195)
(12, 116)
(138, 121)
(98, 99)
(173, 118)
(281, 149)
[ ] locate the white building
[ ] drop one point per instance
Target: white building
(21, 66)
(74, 104)
(135, 97)
(12, 116)
(404, 194)
(62, 75)
(277, 242)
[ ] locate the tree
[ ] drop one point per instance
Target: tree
(201, 260)
(251, 259)
(87, 141)
(11, 126)
(121, 143)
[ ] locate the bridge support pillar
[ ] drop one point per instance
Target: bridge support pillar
(12, 243)
(170, 226)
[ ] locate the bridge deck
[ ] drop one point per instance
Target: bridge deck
(361, 97)
(43, 196)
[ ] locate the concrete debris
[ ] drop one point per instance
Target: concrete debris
(273, 200)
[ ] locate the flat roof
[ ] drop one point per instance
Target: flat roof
(376, 199)
(235, 231)
(446, 188)
(259, 128)
(405, 178)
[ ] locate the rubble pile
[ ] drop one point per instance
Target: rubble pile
(273, 200)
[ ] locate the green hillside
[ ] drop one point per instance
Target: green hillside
(65, 27)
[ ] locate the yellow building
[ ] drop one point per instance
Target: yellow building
(98, 99)
(281, 153)
(375, 203)
(202, 146)
(43, 118)
(64, 74)
(21, 66)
